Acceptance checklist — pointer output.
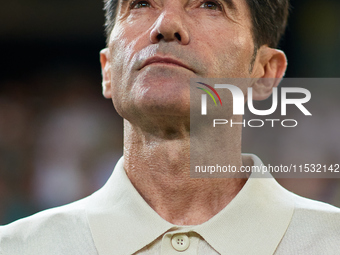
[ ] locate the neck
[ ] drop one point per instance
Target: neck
(158, 165)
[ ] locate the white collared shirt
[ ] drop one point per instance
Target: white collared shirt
(263, 218)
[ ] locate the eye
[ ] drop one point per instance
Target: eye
(139, 4)
(212, 5)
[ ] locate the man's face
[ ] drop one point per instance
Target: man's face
(156, 46)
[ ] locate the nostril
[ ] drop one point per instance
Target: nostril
(160, 37)
(178, 36)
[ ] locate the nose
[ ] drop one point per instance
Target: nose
(169, 27)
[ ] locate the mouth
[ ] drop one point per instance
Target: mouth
(165, 61)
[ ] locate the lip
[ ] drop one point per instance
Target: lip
(164, 60)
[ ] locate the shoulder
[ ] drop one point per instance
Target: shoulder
(316, 211)
(314, 228)
(53, 231)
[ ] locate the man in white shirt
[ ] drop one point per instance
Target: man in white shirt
(150, 205)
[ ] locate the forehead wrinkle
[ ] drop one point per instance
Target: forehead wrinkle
(121, 7)
(231, 4)
(122, 3)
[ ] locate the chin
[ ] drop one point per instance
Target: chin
(163, 106)
(153, 104)
(163, 96)
(153, 94)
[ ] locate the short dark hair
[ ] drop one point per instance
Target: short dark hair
(269, 19)
(110, 8)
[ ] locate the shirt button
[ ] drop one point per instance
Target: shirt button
(180, 242)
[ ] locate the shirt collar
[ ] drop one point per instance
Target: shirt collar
(119, 218)
(254, 222)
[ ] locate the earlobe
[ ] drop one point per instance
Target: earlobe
(272, 66)
(106, 72)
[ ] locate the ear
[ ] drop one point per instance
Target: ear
(270, 68)
(106, 72)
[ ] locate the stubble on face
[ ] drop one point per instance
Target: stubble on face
(220, 46)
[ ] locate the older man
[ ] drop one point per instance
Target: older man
(150, 205)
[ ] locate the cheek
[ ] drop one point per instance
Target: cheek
(237, 56)
(122, 50)
(126, 41)
(231, 49)
(120, 47)
(124, 44)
